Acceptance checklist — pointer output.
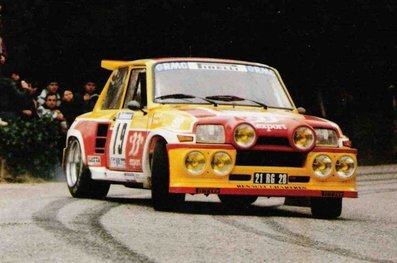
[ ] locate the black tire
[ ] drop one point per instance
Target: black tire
(237, 201)
(326, 208)
(161, 198)
(78, 176)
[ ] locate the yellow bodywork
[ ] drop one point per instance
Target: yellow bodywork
(181, 178)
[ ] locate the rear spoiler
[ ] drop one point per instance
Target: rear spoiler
(113, 64)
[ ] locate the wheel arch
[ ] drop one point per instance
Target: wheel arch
(75, 134)
(150, 143)
(153, 138)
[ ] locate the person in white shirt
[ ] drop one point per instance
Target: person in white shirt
(52, 88)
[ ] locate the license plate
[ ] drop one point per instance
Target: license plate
(270, 178)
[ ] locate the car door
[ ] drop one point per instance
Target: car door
(118, 119)
(129, 131)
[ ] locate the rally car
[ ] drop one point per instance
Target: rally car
(207, 126)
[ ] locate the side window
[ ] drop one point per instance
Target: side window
(115, 91)
(136, 88)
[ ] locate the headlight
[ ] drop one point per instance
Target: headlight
(221, 163)
(322, 166)
(195, 162)
(326, 137)
(244, 135)
(210, 133)
(345, 167)
(303, 138)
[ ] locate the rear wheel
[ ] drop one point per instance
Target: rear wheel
(78, 176)
(237, 201)
(161, 198)
(326, 208)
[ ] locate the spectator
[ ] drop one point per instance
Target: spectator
(89, 96)
(50, 109)
(15, 76)
(13, 98)
(3, 54)
(70, 106)
(52, 88)
(32, 88)
(30, 107)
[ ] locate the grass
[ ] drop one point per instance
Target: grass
(20, 179)
(6, 177)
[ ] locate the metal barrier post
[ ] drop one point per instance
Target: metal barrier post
(2, 162)
(2, 168)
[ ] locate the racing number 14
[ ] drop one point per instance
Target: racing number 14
(118, 141)
(121, 139)
(270, 178)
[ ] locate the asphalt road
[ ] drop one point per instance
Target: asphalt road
(43, 223)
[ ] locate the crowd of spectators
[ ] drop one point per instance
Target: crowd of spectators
(24, 98)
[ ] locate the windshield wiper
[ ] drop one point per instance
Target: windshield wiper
(175, 96)
(184, 96)
(234, 98)
(224, 98)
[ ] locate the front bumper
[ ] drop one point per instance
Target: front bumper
(302, 181)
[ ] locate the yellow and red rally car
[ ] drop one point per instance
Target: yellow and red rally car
(207, 126)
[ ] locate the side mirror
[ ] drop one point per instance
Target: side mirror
(134, 105)
(301, 110)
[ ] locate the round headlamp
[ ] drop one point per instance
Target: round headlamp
(303, 138)
(195, 162)
(345, 167)
(244, 135)
(221, 163)
(322, 166)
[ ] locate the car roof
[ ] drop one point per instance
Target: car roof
(114, 64)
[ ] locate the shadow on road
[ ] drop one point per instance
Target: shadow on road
(216, 208)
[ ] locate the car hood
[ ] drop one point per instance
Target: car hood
(259, 117)
(266, 121)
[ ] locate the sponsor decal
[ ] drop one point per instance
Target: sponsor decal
(208, 191)
(200, 66)
(222, 67)
(275, 187)
(260, 121)
(261, 70)
(212, 66)
(331, 194)
(134, 150)
(117, 162)
(171, 66)
(134, 163)
(125, 115)
(133, 177)
(93, 160)
(136, 139)
(269, 127)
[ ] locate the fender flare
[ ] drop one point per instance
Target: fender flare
(77, 134)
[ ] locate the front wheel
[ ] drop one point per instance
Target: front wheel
(78, 176)
(162, 199)
(326, 208)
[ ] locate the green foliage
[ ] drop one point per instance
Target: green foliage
(31, 146)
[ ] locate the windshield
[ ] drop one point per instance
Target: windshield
(221, 83)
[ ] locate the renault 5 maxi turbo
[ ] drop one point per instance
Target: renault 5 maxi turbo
(207, 126)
